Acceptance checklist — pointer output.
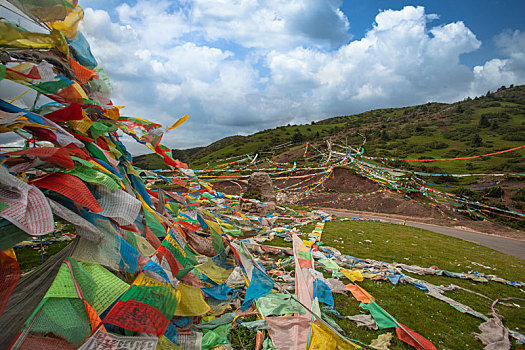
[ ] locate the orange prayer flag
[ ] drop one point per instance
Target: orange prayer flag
(94, 318)
(81, 72)
(359, 293)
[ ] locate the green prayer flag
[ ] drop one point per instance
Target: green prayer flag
(216, 336)
(278, 304)
(153, 224)
(382, 318)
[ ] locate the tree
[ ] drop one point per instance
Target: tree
(484, 121)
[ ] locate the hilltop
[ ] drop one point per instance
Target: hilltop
(481, 125)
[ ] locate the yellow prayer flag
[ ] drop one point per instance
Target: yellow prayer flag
(214, 226)
(353, 275)
(191, 303)
(321, 337)
(11, 36)
(69, 25)
(216, 273)
(179, 122)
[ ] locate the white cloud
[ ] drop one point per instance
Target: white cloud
(398, 62)
(239, 66)
(272, 24)
(502, 71)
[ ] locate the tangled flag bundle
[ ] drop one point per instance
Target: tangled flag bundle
(147, 268)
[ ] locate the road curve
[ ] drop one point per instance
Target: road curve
(505, 245)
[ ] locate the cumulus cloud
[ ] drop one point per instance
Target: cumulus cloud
(503, 71)
(244, 65)
(272, 23)
(398, 62)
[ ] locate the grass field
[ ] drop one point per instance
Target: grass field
(446, 327)
(31, 257)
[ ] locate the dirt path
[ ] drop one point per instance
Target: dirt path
(511, 246)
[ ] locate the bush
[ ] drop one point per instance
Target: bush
(477, 141)
(297, 137)
(516, 136)
(490, 104)
(484, 121)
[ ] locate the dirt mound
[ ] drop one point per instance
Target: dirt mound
(344, 185)
(346, 181)
(384, 202)
(230, 187)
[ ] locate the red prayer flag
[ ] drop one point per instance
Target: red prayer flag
(71, 187)
(421, 344)
(71, 112)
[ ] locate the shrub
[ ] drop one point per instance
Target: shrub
(477, 141)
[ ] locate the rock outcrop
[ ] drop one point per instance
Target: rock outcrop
(262, 183)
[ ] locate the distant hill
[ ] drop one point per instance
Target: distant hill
(481, 125)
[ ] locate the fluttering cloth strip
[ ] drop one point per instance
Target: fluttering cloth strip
(289, 332)
(119, 205)
(9, 276)
(71, 187)
(59, 156)
(260, 285)
(28, 208)
(103, 340)
(303, 278)
(84, 228)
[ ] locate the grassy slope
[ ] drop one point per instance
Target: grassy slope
(426, 131)
(446, 327)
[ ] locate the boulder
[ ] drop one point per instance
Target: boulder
(262, 183)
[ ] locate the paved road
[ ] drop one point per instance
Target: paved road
(505, 245)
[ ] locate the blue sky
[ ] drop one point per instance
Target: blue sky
(485, 18)
(239, 66)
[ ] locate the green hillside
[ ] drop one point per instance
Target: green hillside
(481, 125)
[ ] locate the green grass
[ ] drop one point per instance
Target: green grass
(243, 338)
(30, 257)
(446, 327)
